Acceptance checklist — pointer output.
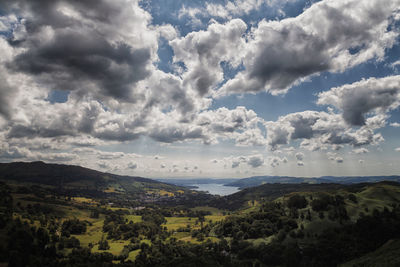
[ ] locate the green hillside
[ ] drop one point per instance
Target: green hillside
(80, 180)
(131, 221)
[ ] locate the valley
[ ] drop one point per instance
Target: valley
(109, 220)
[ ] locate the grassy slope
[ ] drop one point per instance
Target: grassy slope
(387, 255)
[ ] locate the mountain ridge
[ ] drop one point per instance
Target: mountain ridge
(74, 176)
(259, 180)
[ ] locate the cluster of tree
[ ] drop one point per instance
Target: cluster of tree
(117, 227)
(6, 204)
(74, 227)
(268, 220)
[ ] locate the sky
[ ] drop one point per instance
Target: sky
(222, 89)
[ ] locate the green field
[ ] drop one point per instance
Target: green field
(174, 223)
(133, 218)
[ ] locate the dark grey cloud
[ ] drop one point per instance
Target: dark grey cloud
(339, 160)
(255, 161)
(166, 130)
(71, 52)
(299, 156)
(6, 93)
(235, 164)
(360, 98)
(132, 165)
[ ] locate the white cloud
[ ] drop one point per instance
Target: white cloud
(360, 150)
(300, 163)
(132, 165)
(360, 98)
(275, 161)
(339, 160)
(329, 36)
(229, 9)
(202, 53)
(299, 156)
(255, 161)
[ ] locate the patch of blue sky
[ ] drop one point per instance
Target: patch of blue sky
(58, 96)
(165, 55)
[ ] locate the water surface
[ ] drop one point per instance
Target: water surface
(216, 189)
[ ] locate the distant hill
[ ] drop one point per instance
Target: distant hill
(259, 180)
(76, 177)
(274, 191)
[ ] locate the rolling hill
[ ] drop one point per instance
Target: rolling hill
(273, 191)
(79, 178)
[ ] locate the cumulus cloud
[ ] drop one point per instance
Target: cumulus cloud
(328, 36)
(395, 124)
(300, 163)
(361, 150)
(132, 165)
(355, 100)
(104, 165)
(255, 161)
(275, 161)
(202, 53)
(339, 160)
(319, 129)
(110, 155)
(229, 9)
(235, 164)
(397, 149)
(299, 156)
(85, 45)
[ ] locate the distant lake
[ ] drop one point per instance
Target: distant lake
(216, 189)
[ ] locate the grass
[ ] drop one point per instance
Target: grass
(260, 241)
(214, 211)
(84, 200)
(180, 235)
(165, 193)
(133, 218)
(174, 223)
(93, 233)
(116, 247)
(194, 240)
(133, 254)
(214, 218)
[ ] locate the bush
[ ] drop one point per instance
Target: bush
(297, 201)
(74, 226)
(103, 244)
(321, 203)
